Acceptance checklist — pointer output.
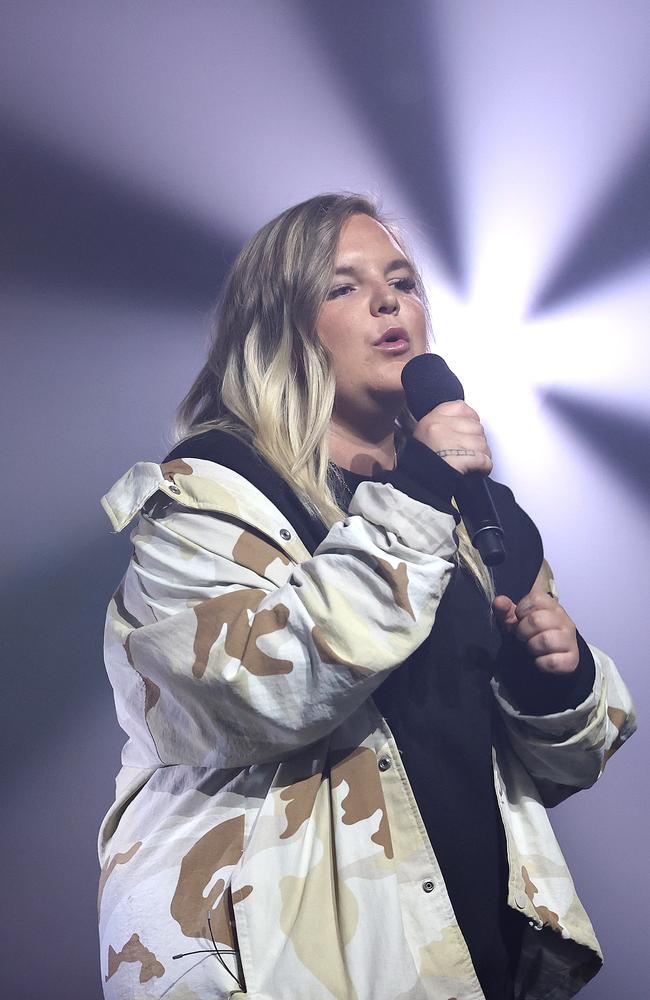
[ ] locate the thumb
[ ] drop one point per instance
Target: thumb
(504, 611)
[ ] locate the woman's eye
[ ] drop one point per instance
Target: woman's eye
(405, 284)
(339, 291)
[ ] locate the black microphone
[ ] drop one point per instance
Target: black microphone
(428, 381)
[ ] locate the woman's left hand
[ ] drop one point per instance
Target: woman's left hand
(541, 622)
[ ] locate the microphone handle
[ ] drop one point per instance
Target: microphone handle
(480, 517)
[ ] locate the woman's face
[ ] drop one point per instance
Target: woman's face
(372, 304)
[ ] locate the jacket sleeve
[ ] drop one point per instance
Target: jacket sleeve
(567, 750)
(224, 653)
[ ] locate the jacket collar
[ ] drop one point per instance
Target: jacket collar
(201, 485)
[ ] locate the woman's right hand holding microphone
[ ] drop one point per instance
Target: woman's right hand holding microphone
(454, 431)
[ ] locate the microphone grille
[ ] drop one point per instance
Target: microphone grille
(428, 381)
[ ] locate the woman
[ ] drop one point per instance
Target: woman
(337, 764)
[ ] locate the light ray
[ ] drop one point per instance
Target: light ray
(182, 114)
(389, 65)
(541, 118)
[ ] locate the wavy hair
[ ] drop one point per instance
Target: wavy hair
(268, 379)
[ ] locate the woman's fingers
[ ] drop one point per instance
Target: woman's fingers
(535, 622)
(454, 432)
(540, 622)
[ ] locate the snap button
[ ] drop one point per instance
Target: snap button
(383, 764)
(174, 489)
(428, 886)
(285, 534)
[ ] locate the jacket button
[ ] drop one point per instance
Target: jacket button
(520, 900)
(428, 886)
(174, 489)
(285, 534)
(383, 764)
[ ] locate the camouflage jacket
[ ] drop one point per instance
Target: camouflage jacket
(261, 787)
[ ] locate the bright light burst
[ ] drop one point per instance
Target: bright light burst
(541, 122)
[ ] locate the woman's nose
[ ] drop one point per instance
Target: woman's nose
(384, 302)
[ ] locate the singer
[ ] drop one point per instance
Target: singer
(343, 727)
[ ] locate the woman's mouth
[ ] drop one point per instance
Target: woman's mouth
(394, 341)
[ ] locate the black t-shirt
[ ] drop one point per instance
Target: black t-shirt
(439, 704)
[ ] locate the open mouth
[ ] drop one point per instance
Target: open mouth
(394, 341)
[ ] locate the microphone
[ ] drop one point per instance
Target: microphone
(428, 381)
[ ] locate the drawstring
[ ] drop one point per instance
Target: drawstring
(215, 951)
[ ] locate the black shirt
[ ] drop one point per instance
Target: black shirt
(439, 704)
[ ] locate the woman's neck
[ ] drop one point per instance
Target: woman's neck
(349, 449)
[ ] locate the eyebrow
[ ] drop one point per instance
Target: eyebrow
(395, 265)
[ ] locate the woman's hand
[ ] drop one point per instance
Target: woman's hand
(453, 430)
(541, 622)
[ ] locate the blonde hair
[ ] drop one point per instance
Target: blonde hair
(268, 378)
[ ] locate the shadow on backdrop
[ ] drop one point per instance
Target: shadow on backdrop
(53, 637)
(61, 746)
(386, 57)
(615, 237)
(622, 439)
(67, 226)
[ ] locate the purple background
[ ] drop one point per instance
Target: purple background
(142, 144)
